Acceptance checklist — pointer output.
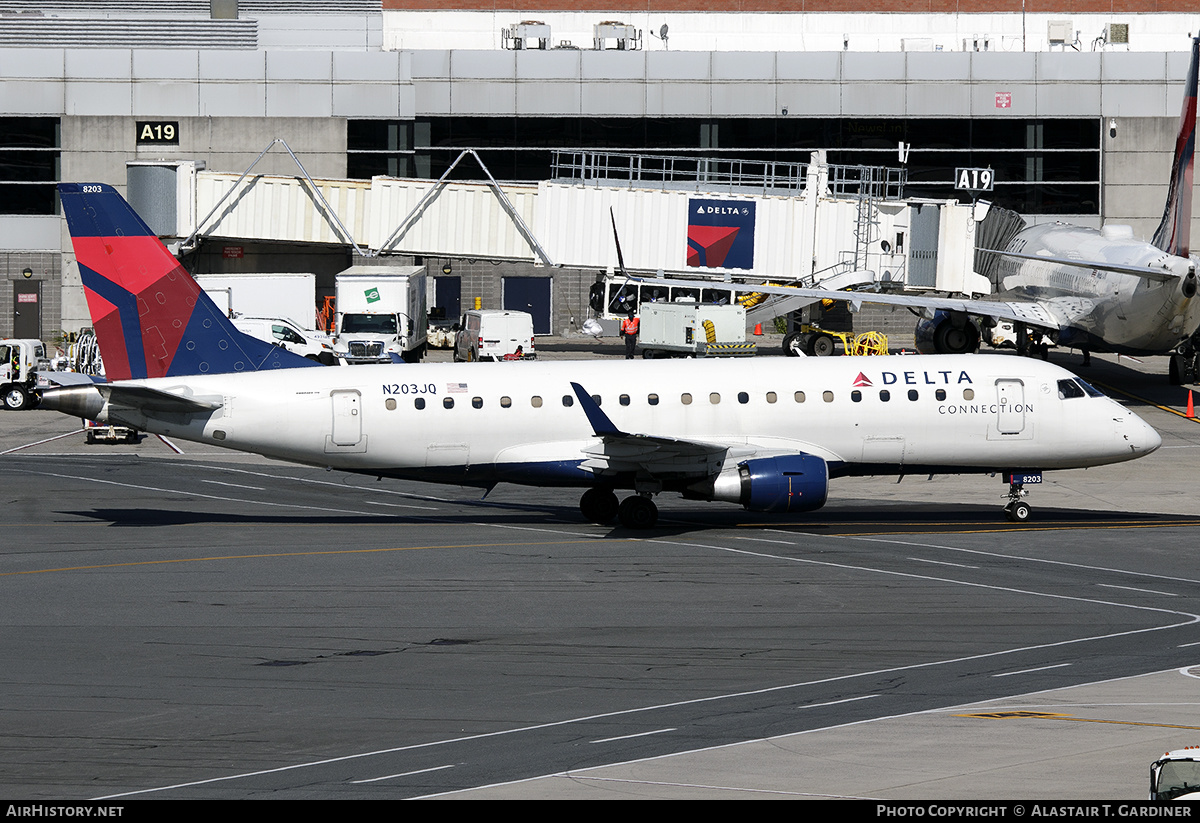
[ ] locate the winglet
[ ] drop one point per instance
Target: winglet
(151, 318)
(1173, 233)
(601, 425)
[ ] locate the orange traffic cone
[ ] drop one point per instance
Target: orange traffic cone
(1191, 410)
(758, 329)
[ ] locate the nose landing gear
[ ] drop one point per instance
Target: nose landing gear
(1017, 510)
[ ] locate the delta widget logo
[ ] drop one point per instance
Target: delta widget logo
(720, 234)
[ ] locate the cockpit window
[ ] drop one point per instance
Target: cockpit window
(1068, 389)
(1091, 390)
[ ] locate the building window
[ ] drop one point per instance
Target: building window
(30, 165)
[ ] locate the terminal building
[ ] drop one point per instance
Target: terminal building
(1075, 109)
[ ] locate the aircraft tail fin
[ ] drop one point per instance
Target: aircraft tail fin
(151, 318)
(1173, 234)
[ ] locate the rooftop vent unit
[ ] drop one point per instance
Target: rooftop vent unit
(525, 35)
(1060, 32)
(627, 37)
(977, 42)
(1117, 33)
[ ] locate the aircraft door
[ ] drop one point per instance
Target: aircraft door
(347, 418)
(1010, 412)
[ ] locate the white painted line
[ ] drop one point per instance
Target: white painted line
(169, 444)
(1029, 671)
(942, 563)
(233, 485)
(403, 774)
(40, 442)
(837, 702)
(631, 736)
(1132, 589)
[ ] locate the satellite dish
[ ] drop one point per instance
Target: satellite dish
(662, 33)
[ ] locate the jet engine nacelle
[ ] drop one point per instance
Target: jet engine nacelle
(790, 483)
(946, 333)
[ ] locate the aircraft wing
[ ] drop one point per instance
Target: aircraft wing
(1160, 275)
(1030, 312)
(619, 451)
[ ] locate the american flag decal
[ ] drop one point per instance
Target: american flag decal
(456, 388)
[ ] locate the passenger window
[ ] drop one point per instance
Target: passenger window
(856, 396)
(827, 396)
(714, 398)
(419, 403)
(799, 397)
(743, 398)
(448, 402)
(884, 395)
(477, 402)
(535, 401)
(940, 394)
(771, 398)
(596, 399)
(912, 394)
(652, 399)
(685, 399)
(505, 402)
(390, 404)
(624, 400)
(568, 400)
(968, 394)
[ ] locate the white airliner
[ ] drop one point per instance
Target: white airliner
(767, 434)
(1096, 290)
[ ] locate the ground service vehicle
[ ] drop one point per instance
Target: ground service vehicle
(1176, 775)
(495, 334)
(381, 314)
(693, 330)
(287, 334)
(20, 362)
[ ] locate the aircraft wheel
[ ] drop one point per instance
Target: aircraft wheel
(598, 506)
(821, 345)
(16, 398)
(794, 344)
(1177, 368)
(1018, 512)
(638, 512)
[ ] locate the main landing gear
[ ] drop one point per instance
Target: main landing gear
(1017, 510)
(635, 512)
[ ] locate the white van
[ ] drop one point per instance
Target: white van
(288, 335)
(495, 334)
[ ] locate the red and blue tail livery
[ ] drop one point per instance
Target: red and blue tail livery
(151, 317)
(1172, 235)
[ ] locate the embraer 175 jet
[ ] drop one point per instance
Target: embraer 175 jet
(1096, 290)
(768, 434)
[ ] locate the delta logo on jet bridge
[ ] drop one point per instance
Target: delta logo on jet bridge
(720, 234)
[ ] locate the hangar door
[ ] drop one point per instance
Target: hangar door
(530, 294)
